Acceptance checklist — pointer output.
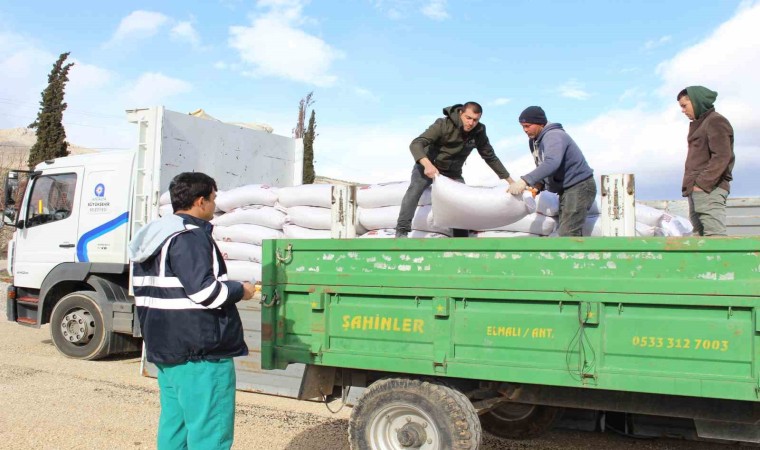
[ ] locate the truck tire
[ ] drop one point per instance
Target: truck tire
(77, 327)
(519, 420)
(402, 413)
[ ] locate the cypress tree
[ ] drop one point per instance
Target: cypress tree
(308, 150)
(51, 136)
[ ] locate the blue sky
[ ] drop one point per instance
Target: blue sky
(382, 70)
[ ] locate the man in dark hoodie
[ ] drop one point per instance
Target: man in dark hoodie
(709, 162)
(189, 321)
(560, 168)
(442, 149)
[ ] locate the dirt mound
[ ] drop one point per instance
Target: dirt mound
(16, 142)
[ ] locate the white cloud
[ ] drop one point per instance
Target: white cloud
(185, 32)
(403, 9)
(137, 25)
(573, 89)
(274, 45)
(366, 94)
(435, 9)
(650, 141)
(153, 89)
(221, 65)
(84, 77)
(654, 43)
(501, 101)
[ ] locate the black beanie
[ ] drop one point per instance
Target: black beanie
(533, 114)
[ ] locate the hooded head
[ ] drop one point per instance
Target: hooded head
(696, 100)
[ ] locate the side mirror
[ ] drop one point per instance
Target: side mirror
(10, 194)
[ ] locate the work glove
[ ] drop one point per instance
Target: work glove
(518, 187)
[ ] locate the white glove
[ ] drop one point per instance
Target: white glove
(518, 187)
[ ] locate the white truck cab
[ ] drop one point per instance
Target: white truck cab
(75, 215)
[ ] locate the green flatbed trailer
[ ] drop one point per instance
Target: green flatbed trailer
(454, 335)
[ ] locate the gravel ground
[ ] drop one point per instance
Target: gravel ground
(48, 401)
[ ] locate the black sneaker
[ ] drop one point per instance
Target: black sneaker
(401, 234)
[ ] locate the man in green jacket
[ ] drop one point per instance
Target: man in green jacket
(707, 172)
(442, 149)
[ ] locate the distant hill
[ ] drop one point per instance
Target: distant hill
(16, 142)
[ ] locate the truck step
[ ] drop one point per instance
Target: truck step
(26, 321)
(28, 299)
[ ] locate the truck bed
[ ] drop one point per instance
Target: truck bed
(675, 316)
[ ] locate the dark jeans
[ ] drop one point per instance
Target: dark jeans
(417, 186)
(574, 204)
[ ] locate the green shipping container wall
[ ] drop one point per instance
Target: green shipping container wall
(659, 315)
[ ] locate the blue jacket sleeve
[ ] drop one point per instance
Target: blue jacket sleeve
(193, 260)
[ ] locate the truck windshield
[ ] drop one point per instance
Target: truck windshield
(51, 199)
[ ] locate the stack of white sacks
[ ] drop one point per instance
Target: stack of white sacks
(309, 209)
(378, 206)
(250, 216)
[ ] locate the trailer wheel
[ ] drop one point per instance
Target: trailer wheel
(401, 413)
(77, 327)
(519, 420)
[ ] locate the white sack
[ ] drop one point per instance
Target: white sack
(387, 194)
(165, 199)
(501, 234)
(547, 203)
(675, 225)
(238, 251)
(165, 210)
(251, 194)
(391, 233)
(295, 232)
(243, 271)
(596, 208)
(648, 215)
(306, 195)
(387, 217)
(644, 230)
(266, 216)
(314, 217)
(593, 226)
(532, 223)
(246, 234)
(456, 205)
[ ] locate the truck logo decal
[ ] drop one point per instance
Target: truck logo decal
(96, 232)
(100, 190)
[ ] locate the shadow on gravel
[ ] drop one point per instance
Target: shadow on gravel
(330, 435)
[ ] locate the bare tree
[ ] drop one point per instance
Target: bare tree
(308, 135)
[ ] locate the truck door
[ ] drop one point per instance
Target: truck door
(50, 221)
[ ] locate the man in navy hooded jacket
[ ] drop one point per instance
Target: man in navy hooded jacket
(560, 168)
(188, 317)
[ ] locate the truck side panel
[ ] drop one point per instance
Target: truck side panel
(665, 316)
(232, 155)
